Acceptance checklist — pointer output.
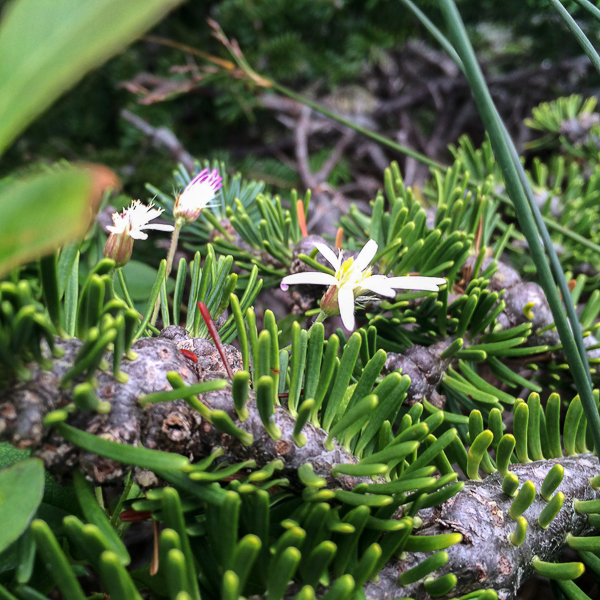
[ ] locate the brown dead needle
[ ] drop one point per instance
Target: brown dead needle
(133, 516)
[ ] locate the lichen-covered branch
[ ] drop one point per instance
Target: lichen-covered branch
(486, 558)
(425, 367)
(171, 427)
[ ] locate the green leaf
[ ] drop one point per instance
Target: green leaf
(60, 496)
(95, 514)
(77, 36)
(140, 278)
(40, 213)
(21, 491)
(10, 455)
(133, 455)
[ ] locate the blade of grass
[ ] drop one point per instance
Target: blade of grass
(435, 32)
(587, 5)
(493, 125)
(581, 38)
(549, 246)
(554, 261)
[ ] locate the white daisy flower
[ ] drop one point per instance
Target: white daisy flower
(133, 220)
(129, 226)
(353, 278)
(197, 195)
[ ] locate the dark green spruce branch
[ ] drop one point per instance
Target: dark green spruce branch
(181, 427)
(170, 426)
(549, 223)
(382, 139)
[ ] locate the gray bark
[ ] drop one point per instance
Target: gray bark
(486, 558)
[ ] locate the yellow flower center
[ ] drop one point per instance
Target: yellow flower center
(347, 274)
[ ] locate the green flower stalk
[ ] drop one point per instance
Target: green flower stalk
(196, 196)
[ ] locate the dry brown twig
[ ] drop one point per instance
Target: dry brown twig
(161, 137)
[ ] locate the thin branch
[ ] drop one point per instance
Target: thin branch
(335, 155)
(168, 426)
(301, 137)
(486, 559)
(161, 137)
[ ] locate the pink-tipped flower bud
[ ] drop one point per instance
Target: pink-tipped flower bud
(197, 194)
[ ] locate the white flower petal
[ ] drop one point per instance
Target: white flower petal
(149, 214)
(430, 284)
(158, 227)
(363, 260)
(346, 306)
(329, 254)
(136, 234)
(379, 284)
(312, 277)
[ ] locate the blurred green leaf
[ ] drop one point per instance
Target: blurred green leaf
(39, 213)
(59, 500)
(9, 454)
(21, 491)
(59, 497)
(46, 47)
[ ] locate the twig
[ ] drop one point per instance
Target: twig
(335, 155)
(168, 426)
(301, 137)
(161, 137)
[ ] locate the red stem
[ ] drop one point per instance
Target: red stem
(131, 516)
(215, 336)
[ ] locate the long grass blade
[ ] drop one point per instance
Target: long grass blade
(517, 193)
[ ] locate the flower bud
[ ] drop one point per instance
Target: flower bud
(119, 247)
(329, 302)
(197, 195)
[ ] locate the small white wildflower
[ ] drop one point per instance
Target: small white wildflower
(128, 226)
(197, 195)
(353, 278)
(133, 220)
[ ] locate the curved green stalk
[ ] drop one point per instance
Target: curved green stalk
(540, 221)
(577, 33)
(587, 5)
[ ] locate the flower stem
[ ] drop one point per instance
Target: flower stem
(170, 257)
(173, 247)
(320, 318)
